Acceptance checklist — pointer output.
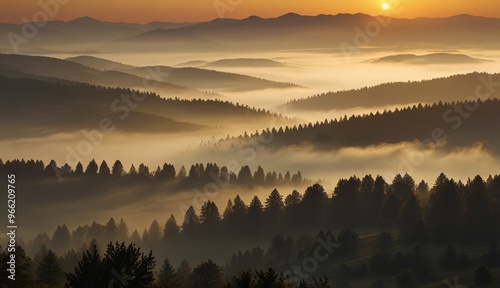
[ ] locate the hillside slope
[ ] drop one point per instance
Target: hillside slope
(459, 124)
(453, 88)
(195, 78)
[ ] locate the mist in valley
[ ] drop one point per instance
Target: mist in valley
(147, 123)
(317, 73)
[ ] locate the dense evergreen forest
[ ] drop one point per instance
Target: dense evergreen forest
(43, 103)
(459, 124)
(197, 175)
(374, 230)
(381, 233)
(448, 89)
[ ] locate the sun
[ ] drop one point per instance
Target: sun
(385, 6)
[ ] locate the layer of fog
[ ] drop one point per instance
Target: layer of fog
(85, 145)
(317, 72)
(422, 162)
(140, 204)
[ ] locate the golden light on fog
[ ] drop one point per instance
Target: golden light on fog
(385, 6)
(203, 10)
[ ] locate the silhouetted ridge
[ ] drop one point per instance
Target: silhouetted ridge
(452, 88)
(429, 59)
(459, 123)
(64, 106)
(195, 78)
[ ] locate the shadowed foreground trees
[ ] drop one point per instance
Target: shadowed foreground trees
(207, 275)
(167, 277)
(49, 273)
(405, 279)
(183, 274)
(258, 279)
(451, 206)
(88, 270)
(452, 212)
(120, 263)
(482, 276)
(24, 267)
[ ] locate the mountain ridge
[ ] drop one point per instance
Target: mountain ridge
(87, 104)
(191, 77)
(451, 88)
(72, 71)
(470, 125)
(288, 31)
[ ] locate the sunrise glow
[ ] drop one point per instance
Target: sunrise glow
(205, 10)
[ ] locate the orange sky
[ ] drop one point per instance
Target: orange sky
(144, 11)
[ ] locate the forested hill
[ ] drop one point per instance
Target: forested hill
(49, 107)
(459, 123)
(453, 88)
(195, 78)
(37, 66)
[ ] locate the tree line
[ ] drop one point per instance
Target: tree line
(198, 173)
(449, 211)
(377, 127)
(126, 264)
(450, 88)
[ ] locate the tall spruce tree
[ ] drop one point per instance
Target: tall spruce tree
(49, 272)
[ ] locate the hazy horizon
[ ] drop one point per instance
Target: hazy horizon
(264, 132)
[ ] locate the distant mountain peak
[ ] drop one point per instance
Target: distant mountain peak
(290, 15)
(432, 58)
(85, 19)
(253, 17)
(465, 16)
